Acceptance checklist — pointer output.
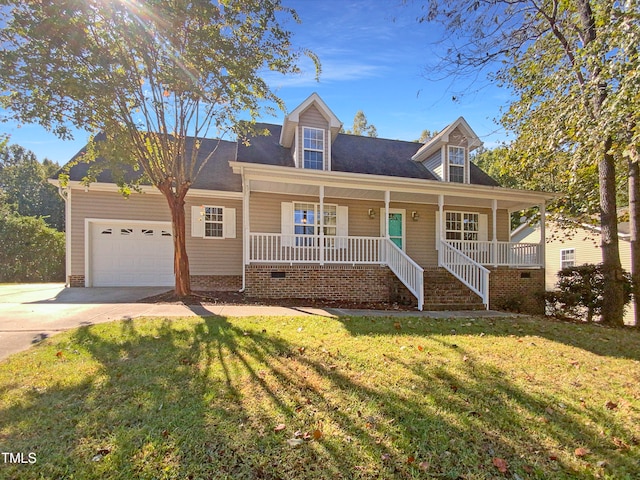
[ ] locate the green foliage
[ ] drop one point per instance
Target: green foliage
(23, 179)
(31, 251)
(362, 127)
(426, 135)
(580, 292)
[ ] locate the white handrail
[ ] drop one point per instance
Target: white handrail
(408, 272)
(465, 269)
(511, 254)
(278, 248)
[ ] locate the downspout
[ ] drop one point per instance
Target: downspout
(245, 229)
(65, 194)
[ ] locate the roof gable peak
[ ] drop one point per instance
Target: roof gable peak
(443, 137)
(292, 120)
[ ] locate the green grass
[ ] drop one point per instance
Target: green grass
(201, 398)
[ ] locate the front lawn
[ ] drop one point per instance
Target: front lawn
(316, 397)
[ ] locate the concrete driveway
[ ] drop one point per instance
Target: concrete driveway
(30, 313)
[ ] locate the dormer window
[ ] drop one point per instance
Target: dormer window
(313, 148)
(456, 164)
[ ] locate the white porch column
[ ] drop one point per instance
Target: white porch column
(387, 200)
(246, 230)
(543, 216)
(321, 246)
(245, 221)
(494, 239)
(440, 226)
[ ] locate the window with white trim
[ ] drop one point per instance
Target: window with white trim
(567, 258)
(313, 148)
(306, 219)
(462, 226)
(213, 222)
(456, 164)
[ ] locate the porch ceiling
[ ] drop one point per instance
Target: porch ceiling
(280, 180)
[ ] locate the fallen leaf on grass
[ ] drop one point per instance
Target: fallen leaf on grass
(411, 459)
(295, 442)
(611, 405)
(500, 464)
(420, 348)
(397, 325)
(582, 452)
(280, 427)
(317, 434)
(59, 354)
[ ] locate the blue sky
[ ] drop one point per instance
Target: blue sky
(375, 57)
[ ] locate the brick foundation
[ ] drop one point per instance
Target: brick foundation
(75, 280)
(517, 290)
(359, 283)
(216, 282)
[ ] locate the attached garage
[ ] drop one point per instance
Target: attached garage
(124, 253)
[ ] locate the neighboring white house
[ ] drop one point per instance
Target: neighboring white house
(577, 246)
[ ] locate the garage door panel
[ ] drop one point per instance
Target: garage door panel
(131, 254)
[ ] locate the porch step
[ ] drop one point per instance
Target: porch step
(442, 291)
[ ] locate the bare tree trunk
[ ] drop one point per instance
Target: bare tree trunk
(613, 295)
(178, 222)
(634, 222)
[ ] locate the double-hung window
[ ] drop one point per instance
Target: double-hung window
(462, 226)
(313, 148)
(456, 164)
(567, 258)
(306, 221)
(213, 222)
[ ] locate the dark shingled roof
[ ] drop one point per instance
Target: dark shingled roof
(216, 175)
(350, 153)
(354, 154)
(266, 150)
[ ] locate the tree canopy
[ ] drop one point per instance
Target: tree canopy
(23, 179)
(572, 68)
(361, 126)
(147, 75)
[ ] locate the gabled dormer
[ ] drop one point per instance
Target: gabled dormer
(309, 130)
(447, 154)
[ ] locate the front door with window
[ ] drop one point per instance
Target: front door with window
(395, 229)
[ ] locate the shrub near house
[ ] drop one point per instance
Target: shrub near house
(31, 251)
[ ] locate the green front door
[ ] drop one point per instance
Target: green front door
(395, 229)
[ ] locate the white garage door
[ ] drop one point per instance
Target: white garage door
(131, 254)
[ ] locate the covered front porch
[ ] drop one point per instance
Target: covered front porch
(405, 224)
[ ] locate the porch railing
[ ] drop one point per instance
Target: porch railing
(409, 272)
(465, 269)
(501, 253)
(278, 248)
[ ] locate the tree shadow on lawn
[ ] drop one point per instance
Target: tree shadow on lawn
(591, 337)
(204, 399)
